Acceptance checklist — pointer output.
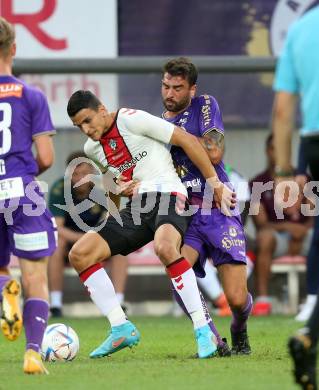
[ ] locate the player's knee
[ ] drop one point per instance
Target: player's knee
(76, 255)
(237, 299)
(166, 251)
(265, 239)
(34, 284)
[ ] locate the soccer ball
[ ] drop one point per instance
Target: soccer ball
(60, 342)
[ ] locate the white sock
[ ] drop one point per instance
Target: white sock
(184, 282)
(56, 299)
(120, 297)
(102, 293)
(210, 284)
(311, 299)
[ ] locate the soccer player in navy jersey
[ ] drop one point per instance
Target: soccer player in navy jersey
(27, 228)
(211, 233)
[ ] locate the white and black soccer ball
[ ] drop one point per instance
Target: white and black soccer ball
(60, 342)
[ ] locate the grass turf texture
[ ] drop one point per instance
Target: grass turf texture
(162, 360)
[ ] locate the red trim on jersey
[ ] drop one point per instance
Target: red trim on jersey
(128, 111)
(116, 151)
(84, 275)
(177, 268)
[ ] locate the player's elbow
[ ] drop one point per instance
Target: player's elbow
(216, 156)
(284, 107)
(45, 161)
(279, 113)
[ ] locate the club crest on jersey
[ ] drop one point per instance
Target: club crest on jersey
(232, 231)
(113, 144)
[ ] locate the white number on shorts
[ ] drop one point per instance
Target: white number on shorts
(5, 124)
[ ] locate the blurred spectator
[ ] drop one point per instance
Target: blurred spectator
(275, 237)
(69, 232)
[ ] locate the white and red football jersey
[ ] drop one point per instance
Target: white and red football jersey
(136, 147)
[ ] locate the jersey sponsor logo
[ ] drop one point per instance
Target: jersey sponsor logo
(192, 183)
(11, 89)
(132, 163)
(228, 242)
(2, 167)
(206, 111)
(11, 188)
(31, 241)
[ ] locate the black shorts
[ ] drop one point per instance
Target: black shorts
(140, 219)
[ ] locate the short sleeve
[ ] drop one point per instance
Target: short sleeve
(94, 152)
(210, 115)
(285, 75)
(40, 114)
(142, 123)
(56, 196)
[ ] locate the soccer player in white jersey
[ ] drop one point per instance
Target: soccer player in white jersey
(131, 144)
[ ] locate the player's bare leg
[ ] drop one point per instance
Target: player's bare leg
(118, 273)
(35, 311)
(167, 242)
(55, 274)
(86, 256)
(234, 281)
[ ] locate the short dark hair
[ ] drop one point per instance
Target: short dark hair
(76, 154)
(82, 99)
(183, 67)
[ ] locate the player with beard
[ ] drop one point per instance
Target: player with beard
(211, 233)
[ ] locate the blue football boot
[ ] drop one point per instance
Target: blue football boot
(122, 336)
(205, 342)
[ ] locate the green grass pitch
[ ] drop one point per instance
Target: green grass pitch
(162, 360)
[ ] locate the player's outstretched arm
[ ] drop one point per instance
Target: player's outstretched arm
(44, 152)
